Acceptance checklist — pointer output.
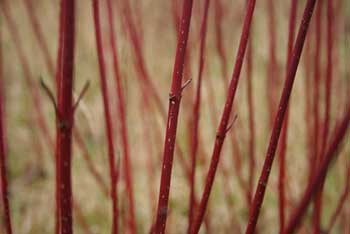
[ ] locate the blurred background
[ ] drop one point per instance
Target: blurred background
(29, 41)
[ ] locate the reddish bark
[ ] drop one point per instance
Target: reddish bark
(64, 123)
(196, 114)
(283, 147)
(224, 123)
(270, 154)
(107, 116)
(171, 127)
(122, 115)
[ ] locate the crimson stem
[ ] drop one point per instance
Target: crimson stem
(196, 113)
(277, 126)
(64, 121)
(107, 115)
(173, 113)
(223, 126)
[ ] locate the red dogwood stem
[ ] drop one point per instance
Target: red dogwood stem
(173, 113)
(288, 85)
(64, 122)
(284, 136)
(122, 115)
(107, 115)
(196, 113)
(222, 129)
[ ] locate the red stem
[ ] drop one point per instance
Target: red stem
(107, 116)
(196, 113)
(272, 75)
(3, 154)
(222, 129)
(122, 114)
(64, 123)
(174, 107)
(283, 147)
(49, 64)
(292, 68)
(148, 89)
(319, 175)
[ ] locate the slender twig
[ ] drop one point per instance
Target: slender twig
(174, 107)
(272, 71)
(64, 122)
(149, 90)
(284, 134)
(35, 24)
(251, 117)
(196, 112)
(122, 114)
(222, 129)
(288, 85)
(107, 115)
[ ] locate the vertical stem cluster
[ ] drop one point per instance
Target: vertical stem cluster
(173, 113)
(107, 115)
(3, 165)
(64, 122)
(277, 126)
(121, 110)
(223, 126)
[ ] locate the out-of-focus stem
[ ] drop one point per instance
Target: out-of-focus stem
(107, 116)
(283, 147)
(196, 113)
(64, 119)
